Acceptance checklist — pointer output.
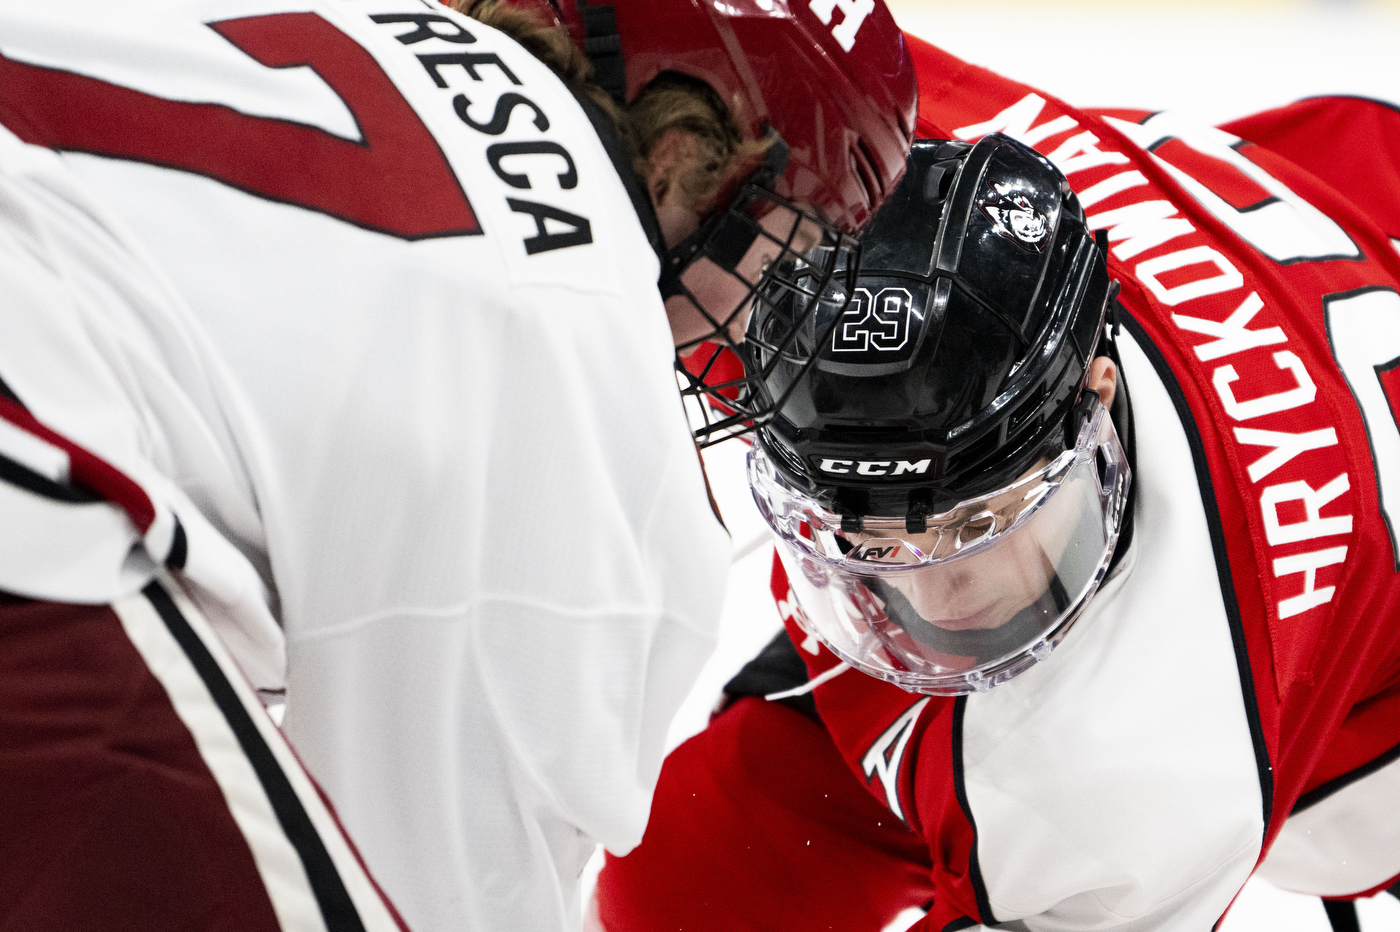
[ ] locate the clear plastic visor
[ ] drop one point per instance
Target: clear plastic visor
(988, 589)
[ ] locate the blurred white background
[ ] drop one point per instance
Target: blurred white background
(1215, 61)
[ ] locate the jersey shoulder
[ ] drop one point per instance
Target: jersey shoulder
(397, 123)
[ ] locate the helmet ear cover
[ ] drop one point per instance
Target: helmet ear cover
(981, 299)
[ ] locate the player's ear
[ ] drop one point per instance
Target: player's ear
(1103, 378)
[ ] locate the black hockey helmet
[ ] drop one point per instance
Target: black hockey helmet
(944, 500)
(980, 299)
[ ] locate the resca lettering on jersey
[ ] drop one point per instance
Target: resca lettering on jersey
(1194, 271)
(524, 164)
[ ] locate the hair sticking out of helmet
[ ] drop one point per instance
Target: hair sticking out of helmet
(945, 496)
(832, 87)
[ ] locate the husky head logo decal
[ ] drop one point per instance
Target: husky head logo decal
(1014, 216)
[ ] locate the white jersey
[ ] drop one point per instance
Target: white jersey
(355, 287)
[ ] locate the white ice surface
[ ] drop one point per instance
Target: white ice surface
(1215, 62)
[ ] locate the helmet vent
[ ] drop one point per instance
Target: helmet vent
(778, 448)
(938, 182)
(1028, 408)
(974, 454)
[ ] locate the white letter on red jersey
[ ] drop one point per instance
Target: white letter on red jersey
(1308, 564)
(884, 757)
(1266, 404)
(1314, 525)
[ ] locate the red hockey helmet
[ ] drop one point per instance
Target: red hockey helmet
(832, 77)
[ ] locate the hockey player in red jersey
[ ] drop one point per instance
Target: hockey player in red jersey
(1092, 600)
(337, 348)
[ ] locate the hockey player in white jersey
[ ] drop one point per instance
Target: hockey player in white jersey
(339, 323)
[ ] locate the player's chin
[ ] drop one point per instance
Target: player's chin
(990, 617)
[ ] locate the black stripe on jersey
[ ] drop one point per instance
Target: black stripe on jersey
(1341, 915)
(974, 867)
(16, 473)
(337, 909)
(1313, 797)
(179, 548)
(1222, 561)
(8, 393)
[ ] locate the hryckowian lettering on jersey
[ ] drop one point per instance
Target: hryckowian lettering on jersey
(1247, 353)
(525, 157)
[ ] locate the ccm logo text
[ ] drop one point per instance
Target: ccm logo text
(874, 467)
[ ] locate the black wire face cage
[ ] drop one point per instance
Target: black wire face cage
(787, 268)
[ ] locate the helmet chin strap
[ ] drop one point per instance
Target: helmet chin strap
(722, 237)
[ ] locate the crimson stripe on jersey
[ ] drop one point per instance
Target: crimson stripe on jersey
(394, 180)
(18, 474)
(113, 819)
(88, 470)
(337, 908)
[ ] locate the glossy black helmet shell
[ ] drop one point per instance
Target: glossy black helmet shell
(980, 298)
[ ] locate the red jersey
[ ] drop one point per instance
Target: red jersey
(1230, 699)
